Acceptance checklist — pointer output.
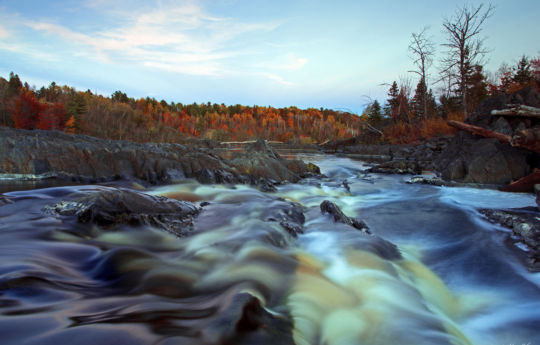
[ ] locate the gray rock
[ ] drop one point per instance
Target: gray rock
(525, 226)
(502, 126)
(112, 206)
(338, 215)
(87, 159)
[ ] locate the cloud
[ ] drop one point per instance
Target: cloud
(289, 62)
(293, 62)
(276, 78)
(3, 32)
(174, 38)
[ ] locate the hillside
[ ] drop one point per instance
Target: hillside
(146, 119)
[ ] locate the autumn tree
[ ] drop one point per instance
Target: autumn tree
(522, 72)
(422, 49)
(465, 46)
(26, 110)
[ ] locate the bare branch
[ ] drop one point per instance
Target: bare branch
(464, 46)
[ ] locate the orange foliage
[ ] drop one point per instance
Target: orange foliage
(404, 133)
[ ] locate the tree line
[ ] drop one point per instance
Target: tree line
(462, 81)
(146, 119)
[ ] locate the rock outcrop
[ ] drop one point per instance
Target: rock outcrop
(525, 229)
(338, 215)
(465, 158)
(112, 206)
(38, 154)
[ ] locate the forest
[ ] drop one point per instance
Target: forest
(406, 116)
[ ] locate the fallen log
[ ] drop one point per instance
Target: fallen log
(518, 110)
(528, 138)
(503, 138)
(525, 184)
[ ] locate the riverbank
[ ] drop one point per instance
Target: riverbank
(508, 154)
(36, 154)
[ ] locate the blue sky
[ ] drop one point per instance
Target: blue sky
(333, 54)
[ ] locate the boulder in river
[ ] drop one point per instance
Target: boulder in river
(113, 206)
(338, 215)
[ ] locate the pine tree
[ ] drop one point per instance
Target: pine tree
(477, 87)
(392, 102)
(420, 99)
(374, 113)
(522, 74)
(76, 108)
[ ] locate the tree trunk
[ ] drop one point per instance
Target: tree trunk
(525, 184)
(528, 139)
(480, 131)
(518, 110)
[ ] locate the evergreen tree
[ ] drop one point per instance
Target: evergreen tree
(392, 102)
(76, 108)
(477, 86)
(14, 85)
(522, 74)
(420, 100)
(374, 113)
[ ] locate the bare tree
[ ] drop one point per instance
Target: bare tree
(422, 48)
(465, 47)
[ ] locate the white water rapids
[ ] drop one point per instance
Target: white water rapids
(452, 280)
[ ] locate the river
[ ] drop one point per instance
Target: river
(432, 272)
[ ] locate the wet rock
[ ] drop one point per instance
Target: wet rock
(338, 215)
(346, 185)
(261, 161)
(525, 226)
(5, 200)
(537, 191)
(292, 228)
(113, 206)
(265, 186)
(396, 167)
(290, 216)
(246, 321)
(434, 181)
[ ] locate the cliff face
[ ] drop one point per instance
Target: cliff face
(42, 154)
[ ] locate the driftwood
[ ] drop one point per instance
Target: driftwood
(247, 142)
(518, 110)
(528, 138)
(480, 131)
(525, 184)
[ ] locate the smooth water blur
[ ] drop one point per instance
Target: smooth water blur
(451, 279)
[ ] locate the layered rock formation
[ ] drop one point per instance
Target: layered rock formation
(44, 154)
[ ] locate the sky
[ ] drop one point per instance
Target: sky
(337, 54)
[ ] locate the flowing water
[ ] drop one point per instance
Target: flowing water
(433, 272)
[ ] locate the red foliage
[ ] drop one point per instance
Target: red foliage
(29, 113)
(26, 110)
